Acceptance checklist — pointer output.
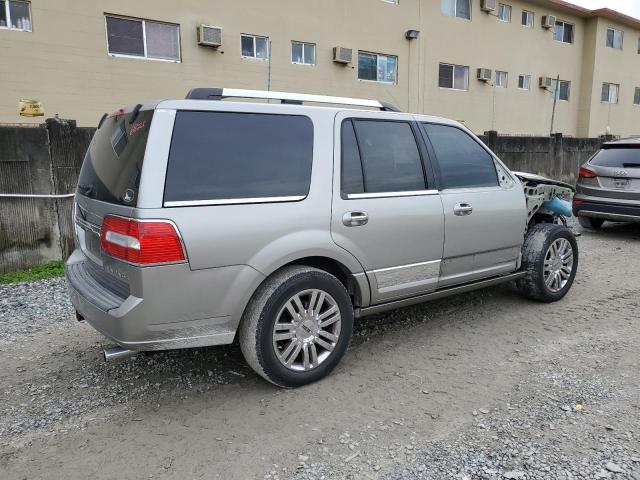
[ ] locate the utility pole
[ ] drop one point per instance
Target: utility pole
(269, 68)
(556, 93)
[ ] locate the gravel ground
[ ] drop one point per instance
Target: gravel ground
(483, 386)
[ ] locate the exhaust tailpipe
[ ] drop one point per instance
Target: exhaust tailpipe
(115, 353)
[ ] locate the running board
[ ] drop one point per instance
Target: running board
(445, 292)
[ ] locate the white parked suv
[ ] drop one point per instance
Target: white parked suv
(199, 221)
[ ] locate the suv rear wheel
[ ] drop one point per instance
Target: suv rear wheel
(550, 261)
(590, 223)
(297, 326)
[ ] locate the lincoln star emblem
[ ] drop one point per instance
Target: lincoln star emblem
(128, 195)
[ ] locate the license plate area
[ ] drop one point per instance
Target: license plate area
(621, 183)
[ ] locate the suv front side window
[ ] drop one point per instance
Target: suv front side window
(380, 157)
(463, 162)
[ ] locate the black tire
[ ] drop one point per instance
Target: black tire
(257, 325)
(536, 245)
(590, 223)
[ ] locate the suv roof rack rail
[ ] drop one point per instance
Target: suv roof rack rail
(284, 97)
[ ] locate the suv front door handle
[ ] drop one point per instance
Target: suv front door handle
(462, 209)
(355, 219)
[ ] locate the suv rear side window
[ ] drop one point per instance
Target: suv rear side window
(380, 157)
(617, 157)
(239, 156)
(111, 168)
(463, 162)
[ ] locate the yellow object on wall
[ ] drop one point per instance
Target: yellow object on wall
(31, 108)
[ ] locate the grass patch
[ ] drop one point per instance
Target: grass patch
(39, 272)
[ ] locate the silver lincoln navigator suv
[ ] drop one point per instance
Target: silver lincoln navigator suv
(203, 220)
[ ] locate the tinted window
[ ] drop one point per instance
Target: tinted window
(463, 162)
(617, 157)
(216, 156)
(390, 156)
(112, 165)
(351, 169)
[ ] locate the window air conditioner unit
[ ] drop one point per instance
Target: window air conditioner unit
(488, 5)
(484, 74)
(546, 82)
(209, 36)
(548, 21)
(342, 55)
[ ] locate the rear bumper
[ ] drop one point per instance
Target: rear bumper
(606, 210)
(180, 308)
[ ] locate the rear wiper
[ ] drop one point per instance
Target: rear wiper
(86, 189)
(631, 165)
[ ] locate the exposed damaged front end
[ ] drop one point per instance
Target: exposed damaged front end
(547, 200)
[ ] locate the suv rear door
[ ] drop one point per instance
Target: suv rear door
(484, 218)
(385, 211)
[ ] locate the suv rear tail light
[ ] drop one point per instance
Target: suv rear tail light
(141, 242)
(586, 173)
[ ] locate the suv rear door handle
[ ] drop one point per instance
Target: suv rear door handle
(462, 209)
(355, 219)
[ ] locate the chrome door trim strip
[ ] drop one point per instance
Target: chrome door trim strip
(234, 201)
(392, 278)
(414, 193)
(405, 266)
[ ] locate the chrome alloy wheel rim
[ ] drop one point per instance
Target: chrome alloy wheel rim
(558, 264)
(307, 330)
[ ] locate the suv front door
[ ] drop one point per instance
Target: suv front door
(384, 211)
(485, 216)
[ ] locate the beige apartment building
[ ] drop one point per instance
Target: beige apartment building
(478, 61)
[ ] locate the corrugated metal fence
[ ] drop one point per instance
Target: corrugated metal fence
(46, 160)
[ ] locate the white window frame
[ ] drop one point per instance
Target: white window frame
(303, 57)
(7, 11)
(615, 31)
(453, 77)
(527, 82)
(564, 24)
(144, 39)
(636, 96)
(530, 15)
(504, 75)
(610, 91)
(555, 89)
(455, 10)
(378, 55)
(254, 57)
(503, 7)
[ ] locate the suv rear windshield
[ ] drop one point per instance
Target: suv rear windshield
(112, 165)
(617, 157)
(226, 156)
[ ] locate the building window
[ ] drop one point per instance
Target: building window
(303, 53)
(254, 46)
(528, 18)
(457, 8)
(15, 15)
(501, 79)
(377, 68)
(132, 37)
(455, 77)
(561, 89)
(563, 32)
(610, 92)
(636, 96)
(614, 38)
(524, 82)
(504, 12)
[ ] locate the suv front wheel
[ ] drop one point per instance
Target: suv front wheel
(550, 262)
(297, 326)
